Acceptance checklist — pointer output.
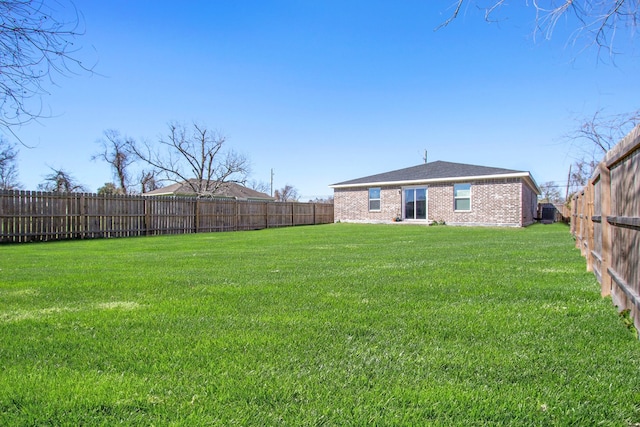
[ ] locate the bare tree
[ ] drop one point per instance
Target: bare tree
(148, 181)
(581, 171)
(288, 193)
(598, 22)
(8, 166)
(61, 181)
(599, 133)
(114, 150)
(260, 186)
(195, 157)
(550, 193)
(591, 140)
(34, 47)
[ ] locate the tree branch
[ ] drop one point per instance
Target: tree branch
(599, 21)
(201, 152)
(34, 46)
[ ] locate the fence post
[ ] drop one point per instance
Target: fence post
(196, 216)
(572, 216)
(605, 209)
(237, 215)
(579, 226)
(589, 195)
(84, 218)
(583, 221)
(147, 215)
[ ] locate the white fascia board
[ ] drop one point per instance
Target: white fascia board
(534, 185)
(157, 194)
(525, 175)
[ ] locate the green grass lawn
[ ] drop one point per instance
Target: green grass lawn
(339, 324)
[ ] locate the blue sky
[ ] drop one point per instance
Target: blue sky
(326, 91)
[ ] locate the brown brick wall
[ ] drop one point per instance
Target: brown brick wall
(494, 202)
(529, 205)
(352, 204)
(504, 202)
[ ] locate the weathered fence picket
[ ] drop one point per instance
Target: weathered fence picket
(27, 216)
(605, 221)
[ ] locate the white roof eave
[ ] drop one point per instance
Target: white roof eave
(525, 175)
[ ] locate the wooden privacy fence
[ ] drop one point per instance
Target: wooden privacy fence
(606, 224)
(27, 216)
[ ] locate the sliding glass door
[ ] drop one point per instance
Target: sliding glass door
(415, 203)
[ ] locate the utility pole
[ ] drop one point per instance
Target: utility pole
(425, 157)
(271, 182)
(566, 195)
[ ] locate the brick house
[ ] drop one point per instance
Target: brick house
(456, 193)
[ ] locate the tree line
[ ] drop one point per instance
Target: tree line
(197, 156)
(193, 155)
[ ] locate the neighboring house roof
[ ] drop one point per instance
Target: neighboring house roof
(226, 190)
(438, 171)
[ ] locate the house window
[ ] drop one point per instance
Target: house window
(462, 197)
(374, 199)
(415, 203)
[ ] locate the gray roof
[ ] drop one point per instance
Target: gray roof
(227, 189)
(431, 171)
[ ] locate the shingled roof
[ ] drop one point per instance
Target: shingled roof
(433, 171)
(226, 190)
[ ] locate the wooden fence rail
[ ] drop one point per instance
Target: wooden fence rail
(28, 216)
(605, 220)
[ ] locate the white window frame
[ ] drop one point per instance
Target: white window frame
(456, 198)
(404, 202)
(370, 199)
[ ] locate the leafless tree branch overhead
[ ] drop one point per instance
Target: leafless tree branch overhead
(592, 138)
(601, 131)
(596, 22)
(35, 46)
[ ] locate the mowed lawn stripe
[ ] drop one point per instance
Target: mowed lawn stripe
(340, 324)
